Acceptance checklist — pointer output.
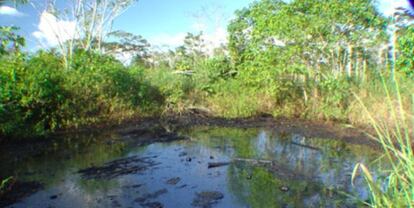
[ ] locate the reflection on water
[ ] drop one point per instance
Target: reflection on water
(303, 172)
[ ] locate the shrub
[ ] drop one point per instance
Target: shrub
(211, 71)
(32, 95)
(39, 95)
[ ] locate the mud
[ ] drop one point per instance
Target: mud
(306, 128)
(145, 131)
(119, 167)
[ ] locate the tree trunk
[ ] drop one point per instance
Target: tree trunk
(350, 60)
(394, 53)
(365, 65)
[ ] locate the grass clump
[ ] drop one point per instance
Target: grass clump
(395, 137)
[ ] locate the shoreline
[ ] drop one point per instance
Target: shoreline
(305, 127)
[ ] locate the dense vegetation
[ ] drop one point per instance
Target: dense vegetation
(311, 70)
(311, 59)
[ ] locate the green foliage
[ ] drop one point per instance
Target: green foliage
(304, 58)
(406, 46)
(10, 41)
(303, 36)
(332, 97)
(30, 91)
(211, 71)
(191, 53)
(395, 137)
(230, 101)
(130, 45)
(38, 95)
(174, 88)
(103, 83)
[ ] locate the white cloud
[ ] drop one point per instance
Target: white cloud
(199, 26)
(6, 10)
(164, 42)
(167, 40)
(389, 6)
(216, 38)
(52, 31)
(170, 41)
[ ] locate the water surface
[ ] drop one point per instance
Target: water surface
(267, 169)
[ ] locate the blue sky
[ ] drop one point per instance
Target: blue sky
(152, 17)
(162, 22)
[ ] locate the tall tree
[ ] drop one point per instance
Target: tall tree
(191, 52)
(10, 41)
(128, 47)
(333, 35)
(93, 22)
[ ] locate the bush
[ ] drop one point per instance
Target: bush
(174, 88)
(38, 95)
(32, 95)
(211, 71)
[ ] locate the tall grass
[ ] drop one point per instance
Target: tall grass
(397, 189)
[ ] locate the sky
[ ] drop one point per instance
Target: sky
(163, 22)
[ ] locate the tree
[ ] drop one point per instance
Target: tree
(190, 53)
(402, 42)
(308, 36)
(128, 46)
(10, 41)
(405, 61)
(93, 22)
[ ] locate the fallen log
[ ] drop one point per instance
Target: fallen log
(217, 164)
(306, 146)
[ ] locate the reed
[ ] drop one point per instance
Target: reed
(397, 189)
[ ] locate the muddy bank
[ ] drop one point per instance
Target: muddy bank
(164, 129)
(306, 128)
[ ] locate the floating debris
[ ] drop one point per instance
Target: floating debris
(284, 188)
(217, 164)
(207, 199)
(143, 199)
(120, 167)
(173, 181)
